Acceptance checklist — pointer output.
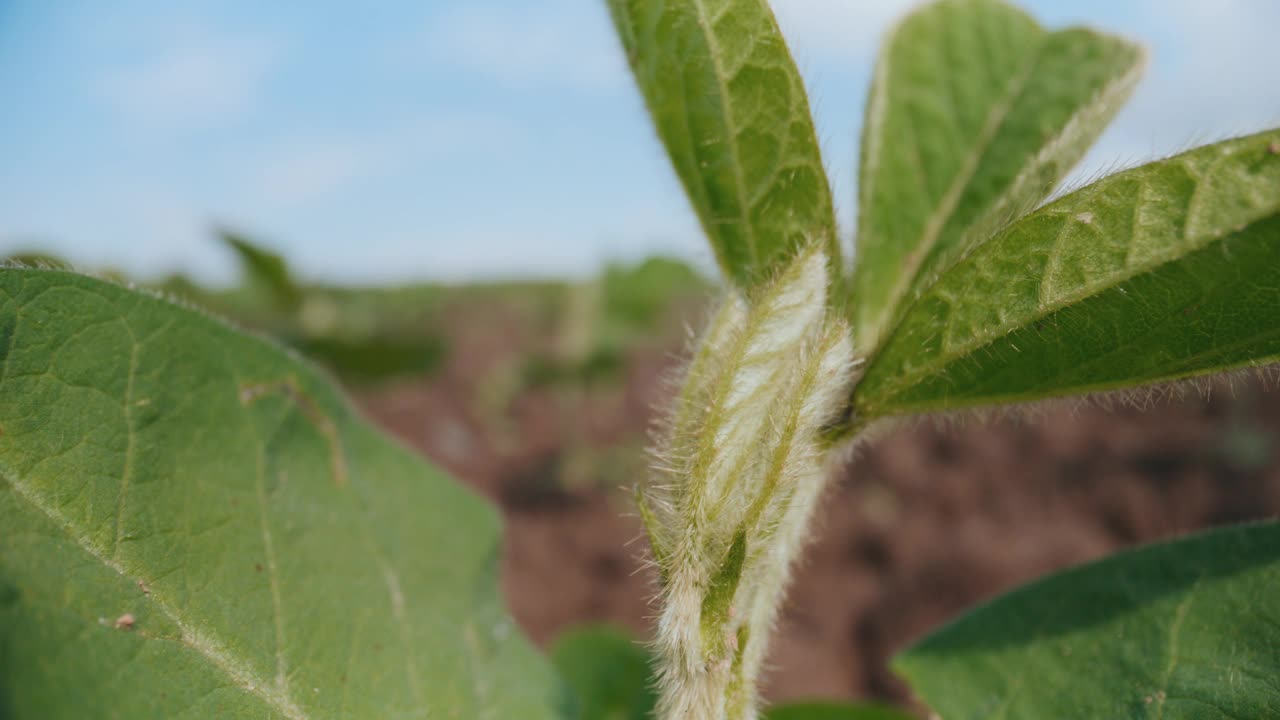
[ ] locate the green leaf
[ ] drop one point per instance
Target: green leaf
(1166, 271)
(377, 358)
(609, 672)
(264, 269)
(834, 711)
(731, 109)
(975, 113)
(1186, 629)
(197, 525)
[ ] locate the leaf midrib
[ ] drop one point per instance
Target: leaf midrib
(235, 668)
(731, 134)
(1025, 396)
(938, 219)
(1043, 310)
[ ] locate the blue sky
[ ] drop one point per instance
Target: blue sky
(456, 139)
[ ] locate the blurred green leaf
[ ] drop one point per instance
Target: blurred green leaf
(1162, 272)
(1182, 630)
(975, 113)
(196, 524)
(637, 296)
(376, 358)
(264, 269)
(730, 107)
(608, 672)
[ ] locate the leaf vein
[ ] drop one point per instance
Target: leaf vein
(273, 575)
(1175, 630)
(731, 131)
(945, 210)
(126, 473)
(236, 669)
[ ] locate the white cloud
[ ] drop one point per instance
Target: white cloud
(192, 79)
(465, 132)
(560, 44)
(314, 168)
(306, 171)
(1210, 77)
(142, 224)
(843, 30)
(1224, 68)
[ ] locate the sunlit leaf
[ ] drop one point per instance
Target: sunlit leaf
(975, 113)
(731, 109)
(1162, 272)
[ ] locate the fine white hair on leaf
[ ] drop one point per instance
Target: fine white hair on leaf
(1140, 397)
(739, 465)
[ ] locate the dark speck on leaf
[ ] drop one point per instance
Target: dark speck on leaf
(257, 567)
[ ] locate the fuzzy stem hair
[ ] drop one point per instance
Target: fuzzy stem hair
(738, 472)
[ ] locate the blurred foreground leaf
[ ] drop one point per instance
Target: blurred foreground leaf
(1182, 630)
(609, 673)
(195, 524)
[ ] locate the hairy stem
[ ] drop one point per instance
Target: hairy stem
(739, 471)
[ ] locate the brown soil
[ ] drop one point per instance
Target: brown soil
(925, 522)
